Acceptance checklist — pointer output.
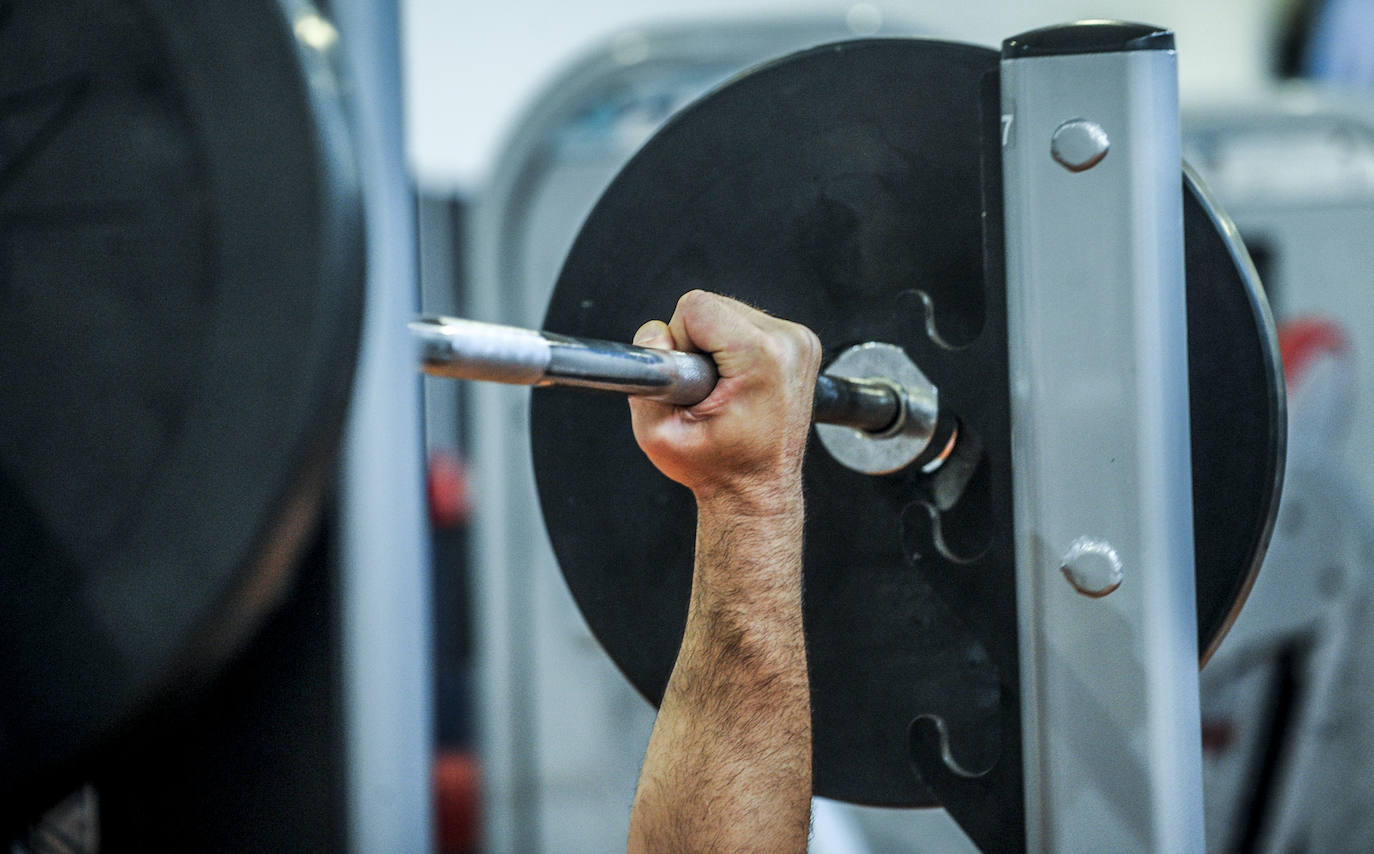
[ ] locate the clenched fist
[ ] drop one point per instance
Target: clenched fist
(742, 445)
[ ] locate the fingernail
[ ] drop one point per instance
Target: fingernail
(648, 333)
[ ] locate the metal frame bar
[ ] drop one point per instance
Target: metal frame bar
(384, 561)
(1102, 479)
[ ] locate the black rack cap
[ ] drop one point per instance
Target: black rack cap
(1092, 36)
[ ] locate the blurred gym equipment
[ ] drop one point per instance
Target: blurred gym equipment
(1284, 703)
(183, 201)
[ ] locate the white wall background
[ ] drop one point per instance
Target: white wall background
(472, 67)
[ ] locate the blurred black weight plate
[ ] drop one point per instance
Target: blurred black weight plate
(826, 188)
(180, 291)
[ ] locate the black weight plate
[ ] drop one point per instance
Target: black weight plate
(1237, 413)
(828, 188)
(180, 289)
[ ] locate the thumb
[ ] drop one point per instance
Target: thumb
(655, 335)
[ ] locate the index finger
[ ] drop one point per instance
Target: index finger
(714, 324)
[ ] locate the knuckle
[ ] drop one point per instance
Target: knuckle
(811, 346)
(777, 350)
(797, 345)
(693, 299)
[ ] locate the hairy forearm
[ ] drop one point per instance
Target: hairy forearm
(733, 736)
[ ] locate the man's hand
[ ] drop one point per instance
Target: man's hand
(745, 441)
(729, 763)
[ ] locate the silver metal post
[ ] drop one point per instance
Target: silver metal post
(1101, 470)
(382, 551)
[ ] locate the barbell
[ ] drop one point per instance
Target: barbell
(888, 417)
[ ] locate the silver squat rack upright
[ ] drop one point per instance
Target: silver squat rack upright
(1100, 440)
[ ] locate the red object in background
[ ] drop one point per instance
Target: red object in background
(450, 500)
(1218, 735)
(1303, 340)
(457, 802)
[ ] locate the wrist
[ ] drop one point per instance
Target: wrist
(766, 501)
(749, 550)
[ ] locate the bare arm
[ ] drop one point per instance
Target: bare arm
(729, 763)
